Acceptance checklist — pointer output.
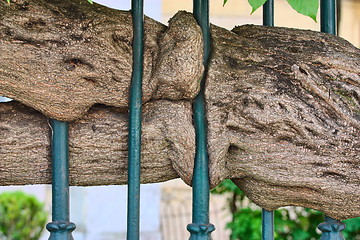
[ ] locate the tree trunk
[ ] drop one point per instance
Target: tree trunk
(283, 105)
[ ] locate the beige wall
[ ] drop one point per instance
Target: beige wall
(176, 211)
(237, 12)
(350, 21)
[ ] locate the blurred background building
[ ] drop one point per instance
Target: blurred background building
(100, 212)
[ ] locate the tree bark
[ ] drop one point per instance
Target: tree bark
(98, 145)
(62, 57)
(283, 105)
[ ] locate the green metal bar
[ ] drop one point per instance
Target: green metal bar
(200, 228)
(268, 13)
(60, 228)
(328, 16)
(267, 225)
(135, 105)
(331, 229)
(268, 216)
(201, 14)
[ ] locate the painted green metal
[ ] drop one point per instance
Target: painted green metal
(267, 225)
(60, 228)
(200, 228)
(331, 229)
(328, 16)
(201, 14)
(268, 13)
(268, 216)
(135, 105)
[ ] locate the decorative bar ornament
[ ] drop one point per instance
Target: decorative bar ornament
(331, 229)
(60, 228)
(135, 109)
(200, 231)
(200, 228)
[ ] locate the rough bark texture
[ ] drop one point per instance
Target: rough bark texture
(62, 57)
(283, 109)
(98, 145)
(283, 105)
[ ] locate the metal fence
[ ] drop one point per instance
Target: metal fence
(175, 212)
(200, 229)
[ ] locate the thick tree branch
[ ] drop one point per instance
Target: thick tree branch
(283, 105)
(62, 57)
(98, 145)
(283, 108)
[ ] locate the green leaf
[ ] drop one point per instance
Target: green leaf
(225, 1)
(255, 4)
(307, 8)
(90, 1)
(8, 1)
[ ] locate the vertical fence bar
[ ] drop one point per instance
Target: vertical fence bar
(267, 225)
(328, 16)
(200, 228)
(135, 107)
(268, 216)
(268, 13)
(331, 228)
(60, 228)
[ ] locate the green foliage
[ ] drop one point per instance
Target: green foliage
(302, 227)
(246, 224)
(308, 8)
(22, 216)
(227, 186)
(255, 4)
(352, 230)
(290, 223)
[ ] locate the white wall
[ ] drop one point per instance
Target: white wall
(100, 212)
